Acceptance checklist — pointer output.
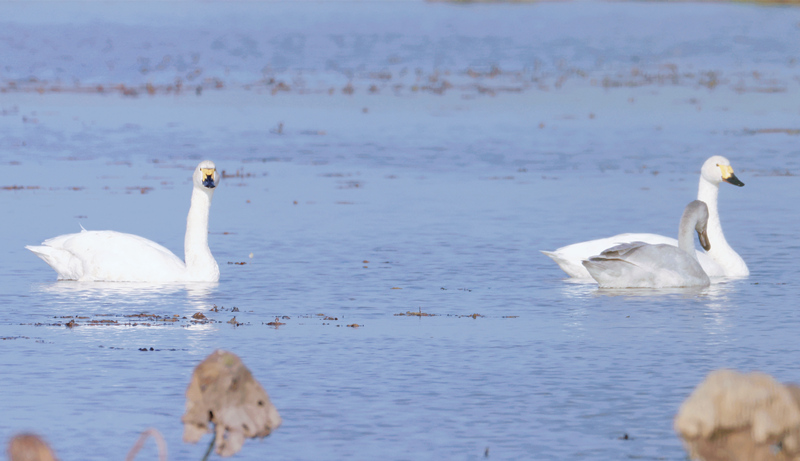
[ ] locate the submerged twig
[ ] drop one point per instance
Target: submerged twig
(160, 442)
(210, 447)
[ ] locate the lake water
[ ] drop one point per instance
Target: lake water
(384, 158)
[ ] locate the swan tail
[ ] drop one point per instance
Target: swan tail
(570, 267)
(615, 273)
(62, 261)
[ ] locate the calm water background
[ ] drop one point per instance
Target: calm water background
(365, 186)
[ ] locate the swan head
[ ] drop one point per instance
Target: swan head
(205, 176)
(718, 169)
(697, 212)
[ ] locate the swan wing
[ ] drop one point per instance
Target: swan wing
(570, 258)
(641, 265)
(110, 256)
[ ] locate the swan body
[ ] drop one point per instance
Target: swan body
(645, 265)
(720, 261)
(570, 257)
(111, 256)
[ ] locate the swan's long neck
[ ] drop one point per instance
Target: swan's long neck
(720, 251)
(200, 264)
(708, 193)
(686, 234)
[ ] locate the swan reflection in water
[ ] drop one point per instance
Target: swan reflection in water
(717, 292)
(129, 297)
(713, 303)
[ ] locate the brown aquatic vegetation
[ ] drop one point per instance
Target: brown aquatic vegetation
(239, 173)
(224, 393)
(469, 82)
(416, 314)
(276, 323)
(15, 187)
(733, 416)
(280, 87)
(29, 447)
(789, 131)
(102, 322)
(141, 190)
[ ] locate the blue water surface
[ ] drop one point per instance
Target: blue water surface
(365, 188)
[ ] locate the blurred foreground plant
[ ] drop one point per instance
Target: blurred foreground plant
(29, 447)
(224, 393)
(733, 416)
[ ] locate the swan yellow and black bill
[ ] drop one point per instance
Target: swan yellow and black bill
(703, 236)
(208, 177)
(728, 176)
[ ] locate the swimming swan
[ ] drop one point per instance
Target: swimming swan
(117, 257)
(720, 261)
(643, 265)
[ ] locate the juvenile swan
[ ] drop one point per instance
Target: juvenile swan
(111, 256)
(643, 265)
(721, 261)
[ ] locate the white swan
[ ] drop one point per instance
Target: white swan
(720, 261)
(117, 257)
(643, 265)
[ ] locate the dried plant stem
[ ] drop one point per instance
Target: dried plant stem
(162, 445)
(210, 446)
